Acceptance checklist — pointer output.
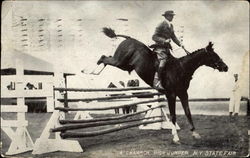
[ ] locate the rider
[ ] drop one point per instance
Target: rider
(164, 32)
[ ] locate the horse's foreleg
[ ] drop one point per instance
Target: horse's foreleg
(171, 106)
(185, 105)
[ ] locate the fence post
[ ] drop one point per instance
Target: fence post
(44, 143)
(20, 138)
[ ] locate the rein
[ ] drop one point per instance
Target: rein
(205, 49)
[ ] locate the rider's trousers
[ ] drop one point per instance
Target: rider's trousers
(162, 55)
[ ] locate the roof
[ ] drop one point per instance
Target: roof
(32, 65)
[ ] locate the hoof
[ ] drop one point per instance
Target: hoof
(100, 60)
(196, 135)
(177, 142)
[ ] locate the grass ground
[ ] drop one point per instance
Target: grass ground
(220, 137)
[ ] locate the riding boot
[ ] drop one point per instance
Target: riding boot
(160, 71)
(157, 81)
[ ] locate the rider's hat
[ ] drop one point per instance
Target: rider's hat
(168, 12)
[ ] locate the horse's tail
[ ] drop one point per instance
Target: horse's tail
(111, 33)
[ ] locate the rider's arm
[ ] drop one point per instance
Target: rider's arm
(176, 40)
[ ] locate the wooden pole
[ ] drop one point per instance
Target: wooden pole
(110, 107)
(96, 124)
(101, 89)
(101, 132)
(109, 118)
(109, 98)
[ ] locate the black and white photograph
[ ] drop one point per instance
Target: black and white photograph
(125, 79)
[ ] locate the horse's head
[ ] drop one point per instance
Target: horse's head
(213, 60)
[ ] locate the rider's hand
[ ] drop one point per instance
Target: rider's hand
(182, 46)
(167, 41)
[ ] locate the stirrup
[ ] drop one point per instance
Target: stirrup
(158, 86)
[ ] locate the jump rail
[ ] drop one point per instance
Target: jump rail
(109, 98)
(109, 118)
(110, 107)
(106, 131)
(96, 124)
(101, 89)
(45, 144)
(151, 94)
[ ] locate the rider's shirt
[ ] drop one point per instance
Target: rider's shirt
(164, 32)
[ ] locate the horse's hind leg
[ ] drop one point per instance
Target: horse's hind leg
(108, 61)
(101, 59)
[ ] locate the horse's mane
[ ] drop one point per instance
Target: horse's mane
(198, 50)
(193, 53)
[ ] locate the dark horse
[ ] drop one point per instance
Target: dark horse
(132, 54)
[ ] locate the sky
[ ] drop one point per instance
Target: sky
(80, 43)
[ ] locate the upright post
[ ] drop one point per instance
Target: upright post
(45, 144)
(20, 138)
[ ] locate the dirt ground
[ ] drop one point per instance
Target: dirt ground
(220, 138)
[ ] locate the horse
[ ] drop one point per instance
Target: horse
(132, 54)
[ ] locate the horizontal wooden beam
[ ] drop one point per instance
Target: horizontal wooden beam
(105, 131)
(109, 98)
(13, 123)
(14, 108)
(101, 89)
(110, 107)
(96, 124)
(213, 99)
(207, 99)
(109, 118)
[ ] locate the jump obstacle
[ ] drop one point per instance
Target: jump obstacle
(20, 138)
(22, 142)
(15, 87)
(62, 127)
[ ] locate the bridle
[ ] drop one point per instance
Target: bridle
(205, 49)
(216, 64)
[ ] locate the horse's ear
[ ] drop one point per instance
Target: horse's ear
(210, 46)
